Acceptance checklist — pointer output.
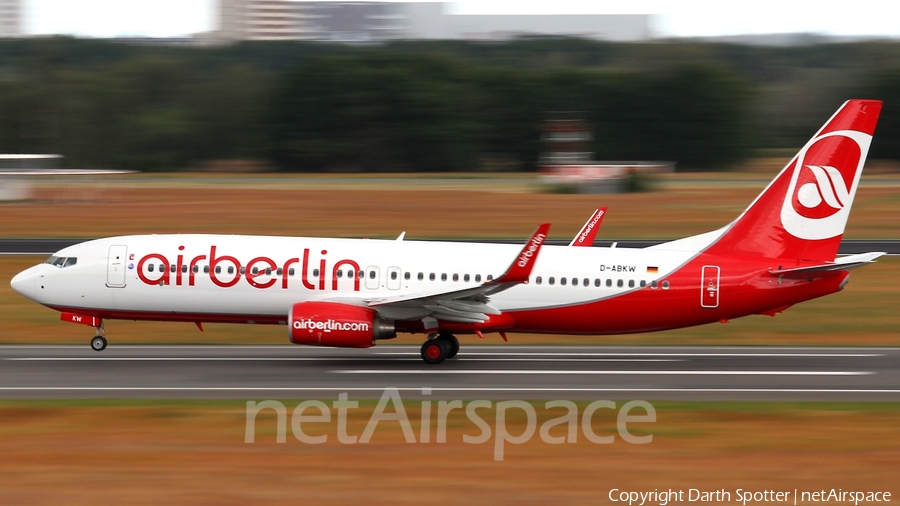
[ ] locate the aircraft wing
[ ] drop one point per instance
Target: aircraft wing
(470, 304)
(839, 264)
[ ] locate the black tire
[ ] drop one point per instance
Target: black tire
(454, 344)
(434, 351)
(98, 343)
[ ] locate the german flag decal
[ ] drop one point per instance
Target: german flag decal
(652, 270)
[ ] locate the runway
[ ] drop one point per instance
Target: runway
(478, 372)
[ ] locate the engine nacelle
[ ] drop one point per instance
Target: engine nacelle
(335, 324)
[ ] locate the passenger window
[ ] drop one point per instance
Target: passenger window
(665, 285)
(278, 271)
(196, 268)
(538, 280)
(315, 273)
(340, 273)
(466, 278)
(653, 284)
(444, 277)
(586, 282)
(551, 280)
(406, 275)
(562, 281)
(421, 276)
(253, 271)
(455, 277)
(431, 277)
(393, 275)
(361, 274)
(184, 268)
(172, 268)
(597, 282)
(231, 269)
(205, 269)
(162, 268)
(609, 283)
(269, 271)
(150, 268)
(478, 278)
(490, 277)
(218, 269)
(371, 274)
(291, 271)
(643, 283)
(243, 269)
(630, 283)
(620, 283)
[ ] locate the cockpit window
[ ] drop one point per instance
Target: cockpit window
(61, 261)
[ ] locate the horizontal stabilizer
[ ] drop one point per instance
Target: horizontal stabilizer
(840, 264)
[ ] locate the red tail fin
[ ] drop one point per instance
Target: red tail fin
(803, 212)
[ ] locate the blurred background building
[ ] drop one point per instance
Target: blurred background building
(10, 18)
(362, 22)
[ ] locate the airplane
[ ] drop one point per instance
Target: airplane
(356, 292)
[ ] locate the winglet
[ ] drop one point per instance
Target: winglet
(521, 268)
(585, 236)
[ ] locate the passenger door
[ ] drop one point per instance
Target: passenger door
(373, 278)
(115, 266)
(709, 286)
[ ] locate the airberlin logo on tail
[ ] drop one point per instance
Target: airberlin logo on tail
(823, 183)
(528, 253)
(826, 194)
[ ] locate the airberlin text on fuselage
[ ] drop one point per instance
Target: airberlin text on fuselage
(255, 271)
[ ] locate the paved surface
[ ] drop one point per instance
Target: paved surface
(491, 372)
(52, 245)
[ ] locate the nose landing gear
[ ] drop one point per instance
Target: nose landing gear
(98, 343)
(438, 348)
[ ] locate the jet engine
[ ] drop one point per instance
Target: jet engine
(335, 324)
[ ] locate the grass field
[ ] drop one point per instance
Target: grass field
(178, 452)
(384, 207)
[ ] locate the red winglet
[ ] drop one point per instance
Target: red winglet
(588, 232)
(521, 268)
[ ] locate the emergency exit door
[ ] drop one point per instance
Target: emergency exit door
(115, 267)
(709, 286)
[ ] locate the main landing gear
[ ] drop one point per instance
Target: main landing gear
(98, 343)
(438, 348)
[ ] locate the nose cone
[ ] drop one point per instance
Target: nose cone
(23, 283)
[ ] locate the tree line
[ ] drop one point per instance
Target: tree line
(405, 106)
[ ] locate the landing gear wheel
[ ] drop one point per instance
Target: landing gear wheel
(98, 343)
(454, 344)
(434, 351)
